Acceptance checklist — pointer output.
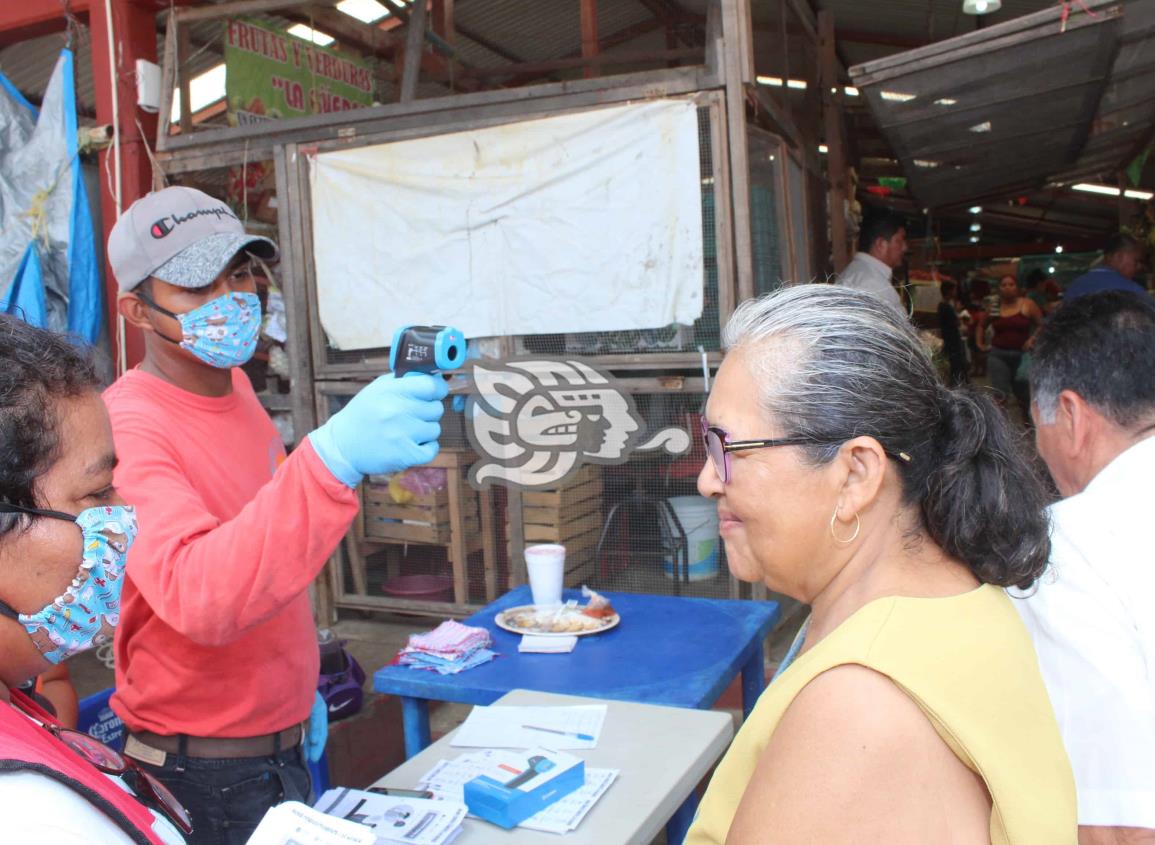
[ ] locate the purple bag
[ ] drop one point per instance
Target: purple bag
(341, 679)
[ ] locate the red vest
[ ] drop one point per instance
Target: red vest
(27, 747)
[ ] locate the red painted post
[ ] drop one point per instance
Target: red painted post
(133, 28)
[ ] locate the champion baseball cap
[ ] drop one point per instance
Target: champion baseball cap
(180, 235)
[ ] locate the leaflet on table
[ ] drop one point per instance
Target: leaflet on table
(293, 823)
(415, 821)
(563, 728)
(447, 779)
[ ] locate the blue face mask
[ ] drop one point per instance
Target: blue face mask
(88, 611)
(222, 333)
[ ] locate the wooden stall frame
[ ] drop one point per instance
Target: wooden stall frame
(331, 594)
(325, 369)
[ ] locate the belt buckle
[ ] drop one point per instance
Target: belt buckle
(138, 750)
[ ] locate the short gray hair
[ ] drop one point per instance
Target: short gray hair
(834, 363)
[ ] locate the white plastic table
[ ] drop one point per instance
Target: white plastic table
(662, 752)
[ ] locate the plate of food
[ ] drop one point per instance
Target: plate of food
(567, 620)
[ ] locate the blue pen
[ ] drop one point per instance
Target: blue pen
(556, 731)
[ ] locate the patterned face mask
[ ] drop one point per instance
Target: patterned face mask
(85, 616)
(222, 333)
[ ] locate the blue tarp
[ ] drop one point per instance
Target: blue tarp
(49, 270)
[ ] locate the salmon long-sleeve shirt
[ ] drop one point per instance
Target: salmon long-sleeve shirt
(216, 636)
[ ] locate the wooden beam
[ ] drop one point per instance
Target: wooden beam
(837, 172)
(590, 46)
(738, 67)
(213, 11)
(443, 23)
(414, 45)
(183, 51)
(596, 61)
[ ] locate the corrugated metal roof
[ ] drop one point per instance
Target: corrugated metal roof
(1020, 104)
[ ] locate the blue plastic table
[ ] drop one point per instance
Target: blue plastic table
(681, 652)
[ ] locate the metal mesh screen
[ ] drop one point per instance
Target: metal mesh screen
(766, 224)
(633, 527)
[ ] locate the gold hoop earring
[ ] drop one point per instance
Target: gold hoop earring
(852, 537)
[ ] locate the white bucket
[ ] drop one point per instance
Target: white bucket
(699, 518)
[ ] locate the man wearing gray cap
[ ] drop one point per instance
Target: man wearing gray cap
(216, 654)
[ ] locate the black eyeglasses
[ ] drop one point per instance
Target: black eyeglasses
(112, 762)
(719, 446)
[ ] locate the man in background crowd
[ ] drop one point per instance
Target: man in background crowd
(881, 247)
(1092, 616)
(1122, 256)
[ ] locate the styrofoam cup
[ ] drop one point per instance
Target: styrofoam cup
(546, 567)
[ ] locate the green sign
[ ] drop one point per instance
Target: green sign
(270, 74)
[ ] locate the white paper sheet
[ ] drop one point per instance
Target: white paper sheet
(505, 727)
(416, 821)
(582, 222)
(293, 823)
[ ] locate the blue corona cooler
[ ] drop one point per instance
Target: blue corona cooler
(521, 783)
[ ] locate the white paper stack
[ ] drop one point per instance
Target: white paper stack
(414, 821)
(546, 645)
(447, 781)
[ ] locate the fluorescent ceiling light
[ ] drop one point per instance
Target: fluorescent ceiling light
(974, 239)
(776, 81)
(926, 164)
(1051, 269)
(897, 96)
(1059, 249)
(851, 91)
(946, 101)
(799, 84)
(981, 7)
(976, 227)
(985, 126)
(1108, 191)
(204, 90)
(366, 11)
(822, 148)
(309, 34)
(975, 209)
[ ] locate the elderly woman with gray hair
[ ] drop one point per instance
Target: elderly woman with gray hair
(856, 482)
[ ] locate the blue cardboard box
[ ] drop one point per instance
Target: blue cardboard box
(521, 783)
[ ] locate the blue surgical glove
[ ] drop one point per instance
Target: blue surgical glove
(389, 426)
(318, 731)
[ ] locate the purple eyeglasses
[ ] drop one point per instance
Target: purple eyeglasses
(719, 446)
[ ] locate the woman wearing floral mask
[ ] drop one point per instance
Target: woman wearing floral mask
(64, 534)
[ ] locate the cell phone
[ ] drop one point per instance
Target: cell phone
(401, 793)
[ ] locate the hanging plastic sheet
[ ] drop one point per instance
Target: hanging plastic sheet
(583, 222)
(49, 272)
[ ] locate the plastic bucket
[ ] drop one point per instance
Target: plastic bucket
(699, 518)
(421, 587)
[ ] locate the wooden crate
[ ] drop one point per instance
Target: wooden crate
(571, 515)
(424, 519)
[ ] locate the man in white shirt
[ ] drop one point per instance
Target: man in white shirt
(881, 246)
(1092, 616)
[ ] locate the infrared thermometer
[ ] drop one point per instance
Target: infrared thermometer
(427, 349)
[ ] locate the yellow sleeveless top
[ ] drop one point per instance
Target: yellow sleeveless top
(968, 662)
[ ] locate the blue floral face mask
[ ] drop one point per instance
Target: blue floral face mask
(222, 333)
(88, 611)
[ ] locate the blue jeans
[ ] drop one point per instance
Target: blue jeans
(228, 798)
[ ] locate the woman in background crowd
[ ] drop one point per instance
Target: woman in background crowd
(1013, 328)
